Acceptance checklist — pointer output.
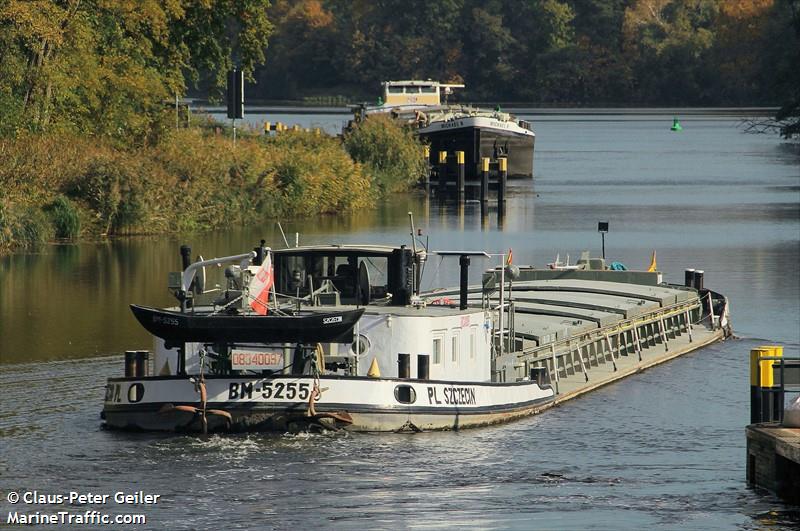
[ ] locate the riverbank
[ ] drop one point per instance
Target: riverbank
(62, 186)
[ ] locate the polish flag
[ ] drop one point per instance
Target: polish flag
(260, 286)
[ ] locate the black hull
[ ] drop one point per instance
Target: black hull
(310, 327)
(477, 143)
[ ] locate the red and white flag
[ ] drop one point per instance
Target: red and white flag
(260, 286)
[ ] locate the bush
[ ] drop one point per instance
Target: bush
(316, 175)
(390, 150)
(64, 218)
(22, 227)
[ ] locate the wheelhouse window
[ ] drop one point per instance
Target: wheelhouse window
(436, 351)
(354, 275)
(473, 341)
(455, 341)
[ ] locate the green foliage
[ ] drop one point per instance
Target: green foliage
(22, 227)
(391, 151)
(108, 67)
(314, 174)
(99, 188)
(64, 218)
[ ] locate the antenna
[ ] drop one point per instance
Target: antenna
(414, 250)
(411, 223)
(284, 235)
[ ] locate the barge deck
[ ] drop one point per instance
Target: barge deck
(585, 329)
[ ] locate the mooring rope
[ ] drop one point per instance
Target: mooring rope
(203, 392)
(316, 392)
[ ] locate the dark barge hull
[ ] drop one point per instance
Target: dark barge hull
(307, 327)
(478, 143)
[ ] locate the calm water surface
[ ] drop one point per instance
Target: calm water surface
(663, 449)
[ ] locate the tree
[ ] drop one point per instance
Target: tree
(668, 43)
(789, 113)
(106, 67)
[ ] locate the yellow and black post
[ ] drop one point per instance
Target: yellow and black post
(484, 180)
(442, 174)
(460, 176)
(766, 398)
(502, 179)
(267, 128)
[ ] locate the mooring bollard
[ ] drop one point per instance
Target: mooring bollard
(698, 279)
(142, 364)
(766, 399)
(688, 278)
(501, 179)
(442, 174)
(460, 178)
(130, 364)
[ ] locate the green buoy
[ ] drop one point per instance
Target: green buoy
(676, 125)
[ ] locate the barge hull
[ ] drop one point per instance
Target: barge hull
(354, 403)
(255, 416)
(479, 143)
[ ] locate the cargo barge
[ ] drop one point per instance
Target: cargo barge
(399, 359)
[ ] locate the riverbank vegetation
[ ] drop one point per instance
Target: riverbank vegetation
(88, 139)
(66, 186)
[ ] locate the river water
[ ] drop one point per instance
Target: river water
(663, 449)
